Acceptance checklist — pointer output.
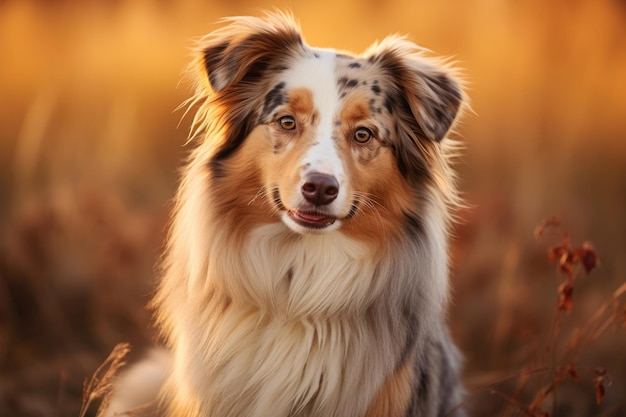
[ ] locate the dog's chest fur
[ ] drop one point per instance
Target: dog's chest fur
(299, 343)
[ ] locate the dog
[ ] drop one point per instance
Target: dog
(306, 269)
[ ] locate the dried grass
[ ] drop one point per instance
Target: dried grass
(537, 386)
(101, 384)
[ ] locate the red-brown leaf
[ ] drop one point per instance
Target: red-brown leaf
(588, 257)
(566, 293)
(566, 265)
(598, 383)
(557, 252)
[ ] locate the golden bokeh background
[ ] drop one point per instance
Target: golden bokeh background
(90, 145)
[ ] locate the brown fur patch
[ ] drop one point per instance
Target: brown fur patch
(383, 194)
(240, 194)
(383, 198)
(395, 395)
(301, 102)
(355, 109)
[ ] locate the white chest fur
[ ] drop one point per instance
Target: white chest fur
(291, 328)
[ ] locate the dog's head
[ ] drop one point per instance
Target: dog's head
(324, 139)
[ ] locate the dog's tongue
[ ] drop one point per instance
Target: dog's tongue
(313, 217)
(313, 220)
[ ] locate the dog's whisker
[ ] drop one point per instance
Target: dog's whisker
(261, 193)
(370, 204)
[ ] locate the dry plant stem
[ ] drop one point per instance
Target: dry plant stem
(551, 349)
(591, 330)
(561, 365)
(588, 335)
(491, 386)
(522, 380)
(552, 355)
(557, 323)
(512, 401)
(100, 384)
(558, 376)
(61, 394)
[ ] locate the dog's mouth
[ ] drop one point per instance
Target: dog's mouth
(311, 220)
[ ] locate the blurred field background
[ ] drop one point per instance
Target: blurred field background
(90, 146)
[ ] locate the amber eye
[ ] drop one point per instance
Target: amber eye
(287, 122)
(362, 135)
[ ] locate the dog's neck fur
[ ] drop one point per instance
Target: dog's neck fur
(300, 277)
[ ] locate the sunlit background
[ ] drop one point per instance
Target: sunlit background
(90, 145)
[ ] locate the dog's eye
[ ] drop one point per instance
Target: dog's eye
(287, 122)
(362, 135)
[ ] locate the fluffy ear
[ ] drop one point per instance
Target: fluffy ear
(246, 48)
(428, 89)
(234, 66)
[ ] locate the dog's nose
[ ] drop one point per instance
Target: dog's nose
(320, 189)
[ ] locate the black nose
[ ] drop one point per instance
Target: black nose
(320, 189)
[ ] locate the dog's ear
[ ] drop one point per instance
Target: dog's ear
(247, 47)
(427, 89)
(233, 66)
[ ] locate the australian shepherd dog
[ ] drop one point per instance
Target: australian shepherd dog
(306, 271)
